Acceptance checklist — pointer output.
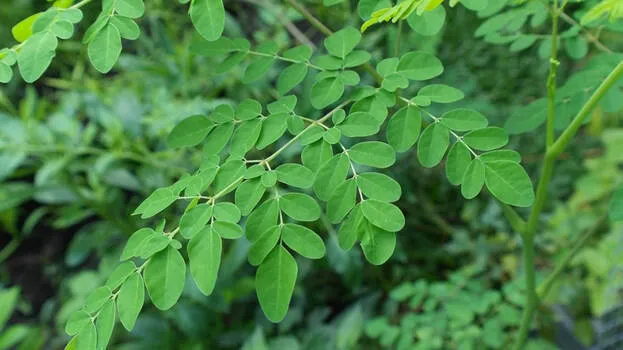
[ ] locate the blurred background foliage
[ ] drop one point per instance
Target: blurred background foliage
(79, 151)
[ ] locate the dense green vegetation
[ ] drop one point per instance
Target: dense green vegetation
(420, 174)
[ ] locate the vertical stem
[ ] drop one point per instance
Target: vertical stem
(397, 43)
(531, 300)
(551, 79)
(531, 296)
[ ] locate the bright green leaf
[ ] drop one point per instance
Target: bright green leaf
(384, 215)
(208, 17)
(299, 206)
(458, 160)
(403, 128)
(473, 179)
(274, 282)
(433, 144)
(379, 186)
(373, 153)
(486, 139)
(509, 183)
(164, 278)
(189, 132)
(303, 241)
(204, 258)
(130, 300)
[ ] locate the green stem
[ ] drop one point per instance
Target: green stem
(546, 286)
(564, 139)
(397, 43)
(531, 301)
(551, 79)
(80, 4)
(517, 223)
(541, 195)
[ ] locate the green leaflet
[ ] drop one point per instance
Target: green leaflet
(300, 53)
(120, 274)
(356, 58)
(616, 206)
(378, 245)
(342, 201)
(419, 65)
(473, 179)
(486, 139)
(269, 179)
(152, 244)
(295, 175)
(384, 215)
(403, 128)
(274, 282)
(457, 162)
(245, 137)
(303, 241)
(194, 220)
(126, 8)
(316, 154)
(200, 182)
(428, 23)
(359, 124)
(204, 258)
(164, 278)
(87, 338)
(128, 29)
(227, 230)
(132, 247)
(433, 144)
(218, 137)
(327, 91)
(441, 93)
(291, 77)
(248, 109)
(208, 17)
(264, 244)
(130, 300)
(159, 200)
(36, 55)
(226, 211)
(299, 206)
(272, 129)
(312, 134)
(379, 186)
(248, 195)
(351, 228)
(464, 120)
(332, 136)
(76, 322)
(254, 171)
(105, 48)
(330, 176)
(96, 299)
(222, 114)
(265, 216)
(502, 154)
(373, 153)
(342, 42)
(509, 183)
(230, 172)
(189, 132)
(105, 324)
